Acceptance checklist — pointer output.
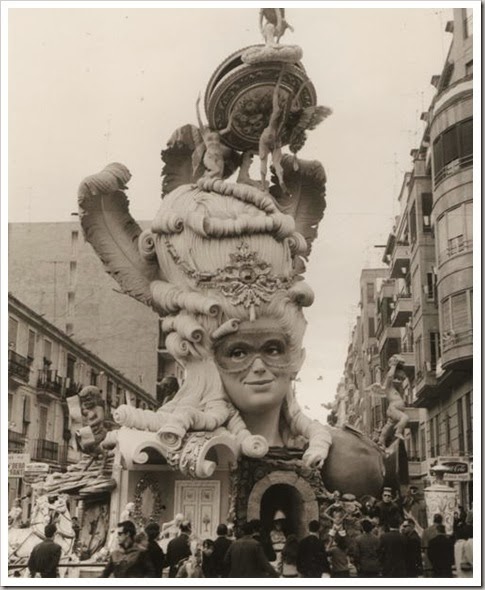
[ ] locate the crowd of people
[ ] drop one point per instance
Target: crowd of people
(378, 542)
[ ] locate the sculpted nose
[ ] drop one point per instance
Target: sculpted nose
(258, 367)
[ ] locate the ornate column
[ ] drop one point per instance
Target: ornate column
(440, 498)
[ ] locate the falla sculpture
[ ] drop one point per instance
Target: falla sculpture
(223, 265)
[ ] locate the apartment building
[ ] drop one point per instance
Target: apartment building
(45, 366)
(424, 301)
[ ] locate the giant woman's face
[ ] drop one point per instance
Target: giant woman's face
(256, 365)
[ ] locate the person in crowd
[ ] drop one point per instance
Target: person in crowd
(428, 534)
(311, 559)
(245, 557)
(191, 567)
(130, 560)
(264, 540)
(179, 548)
(414, 561)
(208, 560)
(392, 551)
(339, 559)
(278, 536)
(463, 550)
(155, 552)
(221, 545)
(45, 556)
(141, 541)
(366, 552)
(289, 555)
(387, 510)
(440, 553)
(76, 528)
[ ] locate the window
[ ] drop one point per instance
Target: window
(430, 292)
(13, 329)
(43, 416)
(461, 432)
(70, 302)
(469, 423)
(447, 433)
(419, 356)
(412, 223)
(432, 438)
(370, 292)
(372, 328)
(72, 272)
(426, 207)
(31, 345)
(437, 435)
(47, 352)
(435, 348)
(93, 380)
(467, 22)
(455, 231)
(422, 444)
(71, 365)
(453, 150)
(74, 242)
(10, 407)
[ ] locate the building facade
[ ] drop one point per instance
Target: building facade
(45, 367)
(56, 273)
(424, 301)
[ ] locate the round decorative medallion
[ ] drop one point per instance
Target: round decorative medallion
(245, 91)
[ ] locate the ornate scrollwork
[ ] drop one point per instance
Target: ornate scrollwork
(147, 482)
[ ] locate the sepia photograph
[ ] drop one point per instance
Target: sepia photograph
(238, 274)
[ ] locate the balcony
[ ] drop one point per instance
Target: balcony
(49, 382)
(16, 442)
(389, 333)
(457, 347)
(456, 246)
(403, 310)
(18, 366)
(399, 266)
(45, 450)
(453, 168)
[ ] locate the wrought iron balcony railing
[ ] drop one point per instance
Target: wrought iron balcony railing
(45, 450)
(16, 442)
(18, 365)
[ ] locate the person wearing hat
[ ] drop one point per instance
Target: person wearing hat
(278, 536)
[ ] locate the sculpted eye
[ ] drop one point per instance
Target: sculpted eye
(238, 353)
(274, 348)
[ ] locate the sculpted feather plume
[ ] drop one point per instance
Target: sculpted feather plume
(306, 199)
(113, 233)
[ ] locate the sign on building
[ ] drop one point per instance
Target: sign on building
(17, 463)
(459, 468)
(35, 472)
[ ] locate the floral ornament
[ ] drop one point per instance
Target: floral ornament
(246, 280)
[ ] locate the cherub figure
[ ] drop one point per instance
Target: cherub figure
(213, 159)
(270, 139)
(394, 392)
(274, 27)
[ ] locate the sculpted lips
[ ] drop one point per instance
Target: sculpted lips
(259, 382)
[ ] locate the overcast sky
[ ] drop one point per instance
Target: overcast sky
(91, 86)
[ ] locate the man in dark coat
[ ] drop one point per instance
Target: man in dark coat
(245, 558)
(414, 561)
(441, 553)
(128, 561)
(155, 552)
(428, 534)
(45, 556)
(221, 545)
(366, 552)
(311, 559)
(392, 552)
(387, 510)
(179, 548)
